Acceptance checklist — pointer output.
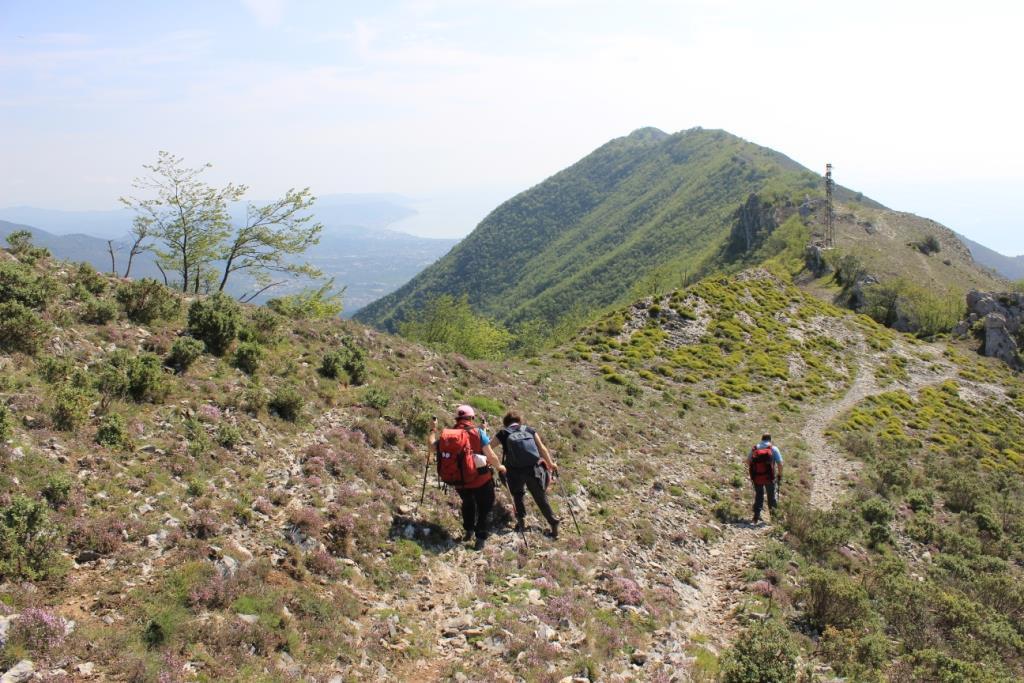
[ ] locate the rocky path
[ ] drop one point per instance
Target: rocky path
(830, 469)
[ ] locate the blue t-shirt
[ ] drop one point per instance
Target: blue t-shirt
(486, 440)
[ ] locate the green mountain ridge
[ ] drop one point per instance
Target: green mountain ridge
(645, 204)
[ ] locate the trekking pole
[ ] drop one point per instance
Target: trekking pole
(423, 490)
(426, 469)
(568, 503)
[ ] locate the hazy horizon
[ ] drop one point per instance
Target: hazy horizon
(452, 102)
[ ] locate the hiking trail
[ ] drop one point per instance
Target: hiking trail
(721, 581)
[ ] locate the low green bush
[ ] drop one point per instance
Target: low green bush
(228, 435)
(184, 352)
(140, 378)
(833, 599)
(376, 398)
(146, 301)
(21, 330)
(112, 432)
(347, 362)
(21, 284)
(764, 653)
(98, 311)
(6, 430)
(287, 402)
(56, 490)
(88, 279)
(29, 541)
(69, 408)
(215, 321)
(247, 357)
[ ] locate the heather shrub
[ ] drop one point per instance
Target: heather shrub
(247, 357)
(203, 525)
(764, 652)
(184, 352)
(36, 633)
(215, 321)
(145, 301)
(625, 591)
(371, 431)
(103, 535)
(287, 402)
(98, 311)
(29, 541)
(307, 520)
(21, 329)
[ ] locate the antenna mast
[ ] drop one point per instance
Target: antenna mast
(830, 227)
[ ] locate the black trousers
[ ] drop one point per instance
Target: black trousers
(759, 490)
(522, 478)
(476, 506)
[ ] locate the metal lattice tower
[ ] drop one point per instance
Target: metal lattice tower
(830, 217)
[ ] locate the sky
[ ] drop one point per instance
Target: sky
(466, 102)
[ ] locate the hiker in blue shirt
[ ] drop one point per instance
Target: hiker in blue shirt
(765, 466)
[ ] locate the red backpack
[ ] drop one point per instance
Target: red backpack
(455, 465)
(761, 465)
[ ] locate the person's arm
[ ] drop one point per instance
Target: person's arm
(778, 464)
(492, 459)
(545, 454)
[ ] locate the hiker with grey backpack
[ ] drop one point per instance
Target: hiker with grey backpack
(529, 467)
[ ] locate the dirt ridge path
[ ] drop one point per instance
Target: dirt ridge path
(721, 580)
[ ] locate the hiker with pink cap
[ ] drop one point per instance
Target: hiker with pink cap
(464, 461)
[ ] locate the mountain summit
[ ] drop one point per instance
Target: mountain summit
(645, 205)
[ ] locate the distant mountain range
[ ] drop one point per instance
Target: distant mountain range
(653, 209)
(1010, 267)
(355, 247)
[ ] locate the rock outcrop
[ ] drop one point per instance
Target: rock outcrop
(998, 320)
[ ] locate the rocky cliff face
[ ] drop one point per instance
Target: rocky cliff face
(998, 319)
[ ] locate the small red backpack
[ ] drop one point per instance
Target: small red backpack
(761, 465)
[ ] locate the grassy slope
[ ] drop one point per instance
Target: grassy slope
(884, 239)
(649, 413)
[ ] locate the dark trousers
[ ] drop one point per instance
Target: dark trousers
(476, 505)
(759, 490)
(522, 478)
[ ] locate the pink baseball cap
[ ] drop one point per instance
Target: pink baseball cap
(465, 411)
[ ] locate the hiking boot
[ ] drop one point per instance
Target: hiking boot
(757, 519)
(520, 527)
(480, 541)
(468, 536)
(553, 532)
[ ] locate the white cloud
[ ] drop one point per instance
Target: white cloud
(269, 13)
